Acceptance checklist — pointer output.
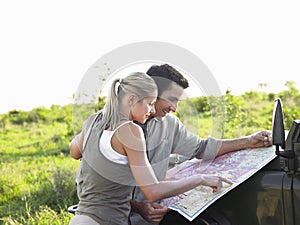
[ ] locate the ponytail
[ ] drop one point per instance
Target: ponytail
(111, 108)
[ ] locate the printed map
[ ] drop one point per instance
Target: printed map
(235, 166)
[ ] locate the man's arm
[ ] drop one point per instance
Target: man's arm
(215, 147)
(257, 140)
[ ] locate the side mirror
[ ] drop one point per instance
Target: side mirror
(278, 135)
(291, 155)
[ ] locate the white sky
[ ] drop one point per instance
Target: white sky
(47, 46)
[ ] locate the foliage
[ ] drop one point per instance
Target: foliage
(234, 116)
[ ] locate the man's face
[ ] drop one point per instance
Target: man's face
(168, 101)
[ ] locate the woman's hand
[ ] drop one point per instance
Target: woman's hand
(215, 182)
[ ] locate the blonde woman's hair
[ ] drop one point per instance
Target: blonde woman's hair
(140, 84)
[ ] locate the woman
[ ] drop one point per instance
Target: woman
(114, 158)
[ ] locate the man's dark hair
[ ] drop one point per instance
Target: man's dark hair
(164, 74)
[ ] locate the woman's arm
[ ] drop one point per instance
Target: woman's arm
(76, 144)
(132, 139)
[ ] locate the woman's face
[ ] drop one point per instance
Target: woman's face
(143, 109)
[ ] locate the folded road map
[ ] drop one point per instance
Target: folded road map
(236, 166)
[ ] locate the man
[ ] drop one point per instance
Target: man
(165, 135)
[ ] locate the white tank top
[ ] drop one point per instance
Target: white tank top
(107, 150)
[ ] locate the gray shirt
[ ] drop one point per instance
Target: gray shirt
(166, 137)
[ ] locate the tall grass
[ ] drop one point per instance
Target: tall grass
(37, 182)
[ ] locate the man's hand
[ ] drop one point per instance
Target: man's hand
(151, 212)
(260, 139)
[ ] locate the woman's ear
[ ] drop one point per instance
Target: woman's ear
(131, 99)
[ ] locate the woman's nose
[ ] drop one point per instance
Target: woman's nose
(152, 110)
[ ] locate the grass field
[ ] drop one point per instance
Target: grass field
(37, 181)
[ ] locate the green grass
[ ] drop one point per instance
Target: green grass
(37, 181)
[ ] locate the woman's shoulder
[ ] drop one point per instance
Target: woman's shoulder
(130, 135)
(130, 128)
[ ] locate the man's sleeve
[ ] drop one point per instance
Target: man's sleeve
(191, 145)
(184, 142)
(209, 150)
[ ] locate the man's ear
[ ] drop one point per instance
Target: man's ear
(131, 99)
